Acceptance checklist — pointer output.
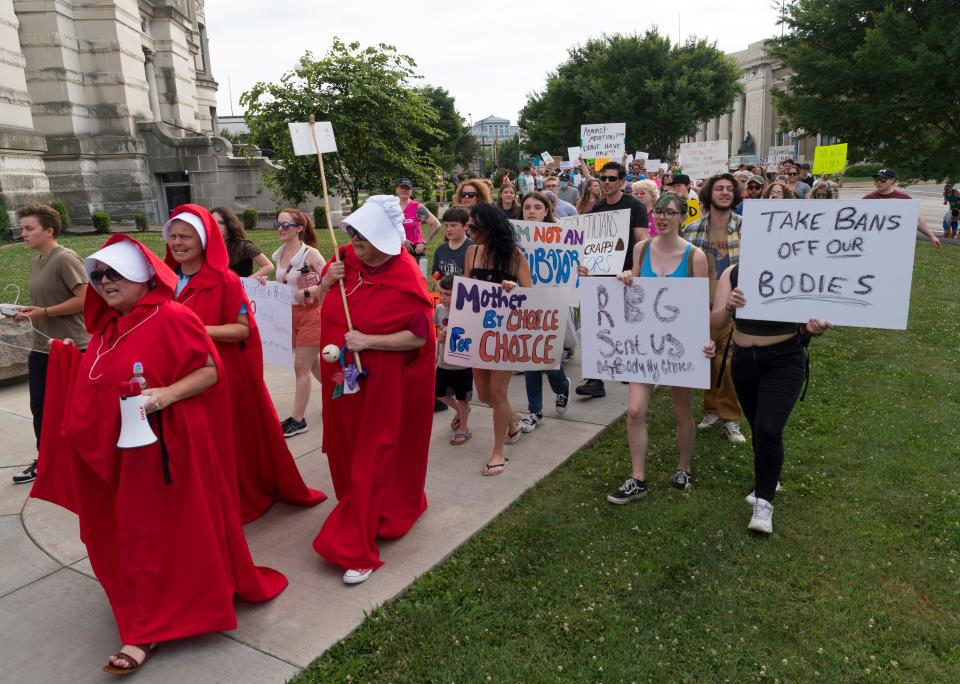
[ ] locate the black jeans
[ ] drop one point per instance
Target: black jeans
(37, 369)
(768, 381)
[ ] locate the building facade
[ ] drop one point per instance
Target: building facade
(493, 130)
(110, 105)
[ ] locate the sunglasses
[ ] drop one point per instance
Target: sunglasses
(110, 275)
(355, 234)
(610, 179)
(285, 225)
(793, 173)
(468, 195)
(669, 213)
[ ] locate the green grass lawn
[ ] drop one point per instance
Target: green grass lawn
(860, 582)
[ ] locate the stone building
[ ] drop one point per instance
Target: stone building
(110, 105)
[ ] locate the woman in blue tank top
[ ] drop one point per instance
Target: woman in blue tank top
(667, 255)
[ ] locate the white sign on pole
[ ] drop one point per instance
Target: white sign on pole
(704, 159)
(303, 141)
(573, 153)
(270, 306)
(603, 140)
(628, 160)
(778, 153)
(849, 262)
(518, 330)
(653, 332)
(664, 167)
(652, 165)
(547, 157)
(640, 156)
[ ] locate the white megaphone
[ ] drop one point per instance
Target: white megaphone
(134, 427)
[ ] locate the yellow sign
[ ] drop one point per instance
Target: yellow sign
(830, 158)
(693, 211)
(598, 162)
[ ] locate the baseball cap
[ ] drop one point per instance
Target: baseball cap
(885, 173)
(756, 179)
(405, 183)
(679, 178)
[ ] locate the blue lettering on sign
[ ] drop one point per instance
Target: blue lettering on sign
(492, 320)
(554, 266)
(459, 343)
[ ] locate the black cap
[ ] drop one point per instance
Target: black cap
(885, 173)
(405, 183)
(679, 178)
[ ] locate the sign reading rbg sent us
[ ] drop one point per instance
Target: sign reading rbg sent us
(847, 262)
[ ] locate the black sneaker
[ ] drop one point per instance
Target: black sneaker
(293, 427)
(592, 388)
(562, 400)
(682, 480)
(630, 489)
(29, 474)
(439, 406)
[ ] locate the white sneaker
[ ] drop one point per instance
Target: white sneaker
(732, 431)
(762, 520)
(530, 423)
(752, 498)
(708, 421)
(357, 576)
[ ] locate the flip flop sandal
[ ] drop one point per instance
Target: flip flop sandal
(455, 423)
(495, 469)
(513, 437)
(148, 651)
(461, 438)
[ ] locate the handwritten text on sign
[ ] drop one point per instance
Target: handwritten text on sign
(518, 330)
(830, 158)
(270, 305)
(847, 262)
(705, 159)
(605, 234)
(652, 332)
(302, 138)
(603, 140)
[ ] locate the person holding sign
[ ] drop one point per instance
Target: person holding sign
(884, 182)
(670, 256)
(769, 367)
(496, 258)
(376, 435)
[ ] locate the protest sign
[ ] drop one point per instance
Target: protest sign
(270, 307)
(567, 165)
(849, 262)
(651, 165)
(705, 159)
(603, 140)
(830, 158)
(303, 141)
(604, 237)
(693, 211)
(574, 153)
(518, 330)
(779, 153)
(641, 156)
(628, 160)
(599, 162)
(653, 332)
(664, 167)
(547, 157)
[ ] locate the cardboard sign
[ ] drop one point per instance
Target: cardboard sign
(779, 153)
(303, 141)
(653, 332)
(518, 330)
(830, 158)
(270, 306)
(704, 159)
(574, 153)
(652, 165)
(604, 237)
(693, 211)
(849, 262)
(641, 156)
(547, 157)
(603, 140)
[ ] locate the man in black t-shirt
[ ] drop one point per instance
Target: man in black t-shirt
(611, 184)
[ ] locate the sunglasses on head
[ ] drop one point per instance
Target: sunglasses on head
(355, 234)
(610, 179)
(109, 274)
(468, 194)
(285, 226)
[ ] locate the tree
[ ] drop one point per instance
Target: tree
(662, 92)
(509, 155)
(882, 77)
(376, 115)
(452, 145)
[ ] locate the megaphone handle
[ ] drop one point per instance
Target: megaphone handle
(164, 454)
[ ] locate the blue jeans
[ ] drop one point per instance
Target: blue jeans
(558, 383)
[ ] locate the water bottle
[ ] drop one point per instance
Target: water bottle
(138, 376)
(423, 266)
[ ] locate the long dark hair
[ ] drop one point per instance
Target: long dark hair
(499, 241)
(235, 231)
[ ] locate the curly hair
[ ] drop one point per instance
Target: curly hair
(706, 192)
(496, 235)
(48, 217)
(481, 187)
(787, 192)
(309, 234)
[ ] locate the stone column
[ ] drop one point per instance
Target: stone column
(151, 74)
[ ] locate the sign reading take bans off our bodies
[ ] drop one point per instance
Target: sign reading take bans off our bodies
(847, 262)
(518, 330)
(652, 332)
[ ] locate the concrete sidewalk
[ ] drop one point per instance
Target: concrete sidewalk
(56, 624)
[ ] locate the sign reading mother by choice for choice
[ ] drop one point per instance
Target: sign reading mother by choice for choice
(518, 330)
(847, 262)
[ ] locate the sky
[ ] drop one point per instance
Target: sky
(490, 59)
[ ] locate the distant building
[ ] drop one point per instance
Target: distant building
(493, 129)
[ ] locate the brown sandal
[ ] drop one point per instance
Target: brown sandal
(148, 651)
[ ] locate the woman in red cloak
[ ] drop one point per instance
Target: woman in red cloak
(161, 528)
(376, 434)
(266, 471)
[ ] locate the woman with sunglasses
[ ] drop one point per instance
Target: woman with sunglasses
(667, 255)
(159, 521)
(495, 258)
(266, 471)
(376, 431)
(299, 264)
(471, 192)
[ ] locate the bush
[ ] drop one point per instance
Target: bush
(862, 170)
(427, 195)
(433, 207)
(61, 209)
(101, 221)
(448, 195)
(141, 221)
(5, 233)
(319, 218)
(249, 218)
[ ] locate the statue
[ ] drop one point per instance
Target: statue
(748, 146)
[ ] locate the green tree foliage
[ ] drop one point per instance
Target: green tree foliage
(376, 115)
(509, 155)
(101, 221)
(661, 91)
(882, 77)
(451, 143)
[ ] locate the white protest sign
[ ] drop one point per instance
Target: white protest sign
(573, 153)
(568, 165)
(303, 141)
(518, 330)
(604, 237)
(704, 159)
(547, 157)
(664, 167)
(640, 156)
(652, 165)
(653, 332)
(779, 153)
(603, 140)
(628, 160)
(270, 306)
(849, 262)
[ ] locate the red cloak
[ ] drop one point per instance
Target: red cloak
(266, 471)
(377, 440)
(170, 556)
